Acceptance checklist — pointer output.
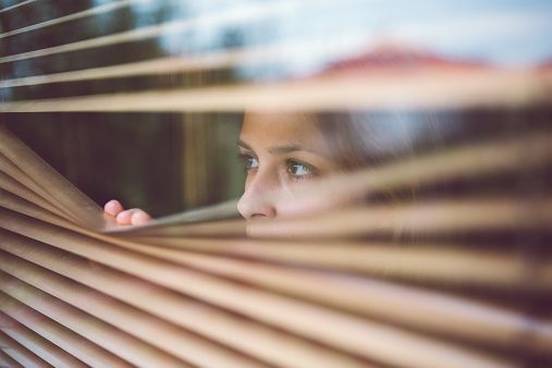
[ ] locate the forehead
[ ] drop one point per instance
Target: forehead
(280, 128)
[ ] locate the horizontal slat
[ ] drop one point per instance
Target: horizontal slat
(10, 169)
(37, 12)
(258, 57)
(14, 172)
(444, 90)
(239, 14)
(74, 16)
(58, 190)
(437, 217)
(129, 348)
(153, 330)
(431, 262)
(10, 200)
(12, 186)
(22, 3)
(214, 60)
(7, 362)
(430, 218)
(435, 312)
(466, 162)
(430, 311)
(437, 263)
(66, 339)
(21, 354)
(188, 80)
(250, 338)
(148, 67)
(43, 348)
(350, 334)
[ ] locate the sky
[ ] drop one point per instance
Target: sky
(501, 32)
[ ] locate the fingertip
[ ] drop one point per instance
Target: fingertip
(140, 217)
(113, 207)
(124, 217)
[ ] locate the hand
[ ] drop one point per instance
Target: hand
(133, 216)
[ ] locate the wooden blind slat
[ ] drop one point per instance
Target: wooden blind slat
(7, 362)
(22, 3)
(10, 185)
(430, 218)
(78, 15)
(253, 339)
(437, 263)
(142, 325)
(453, 91)
(9, 168)
(210, 61)
(74, 344)
(477, 160)
(266, 305)
(372, 298)
(348, 333)
(426, 310)
(455, 275)
(18, 204)
(56, 189)
(237, 57)
(131, 349)
(230, 17)
(43, 348)
(21, 354)
(474, 267)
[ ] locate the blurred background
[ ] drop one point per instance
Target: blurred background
(163, 163)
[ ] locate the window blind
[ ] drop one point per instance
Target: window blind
(459, 275)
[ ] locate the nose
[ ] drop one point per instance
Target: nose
(255, 202)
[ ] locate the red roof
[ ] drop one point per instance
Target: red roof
(400, 57)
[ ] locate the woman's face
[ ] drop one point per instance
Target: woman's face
(280, 151)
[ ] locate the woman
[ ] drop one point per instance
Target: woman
(281, 151)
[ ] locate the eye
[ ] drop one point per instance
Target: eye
(300, 170)
(250, 162)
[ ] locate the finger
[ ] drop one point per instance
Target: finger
(134, 216)
(123, 217)
(139, 217)
(113, 207)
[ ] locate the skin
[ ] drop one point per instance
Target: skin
(133, 216)
(280, 152)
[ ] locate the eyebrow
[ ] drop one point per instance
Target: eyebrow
(244, 145)
(279, 150)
